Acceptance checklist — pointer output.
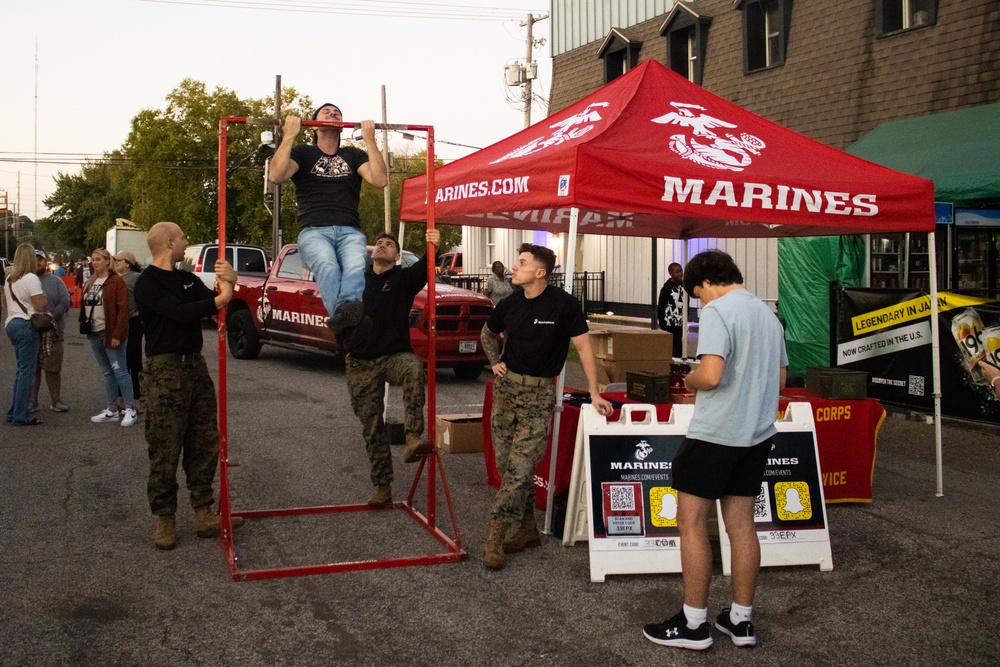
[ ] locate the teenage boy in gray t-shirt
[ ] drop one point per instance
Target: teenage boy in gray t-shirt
(742, 351)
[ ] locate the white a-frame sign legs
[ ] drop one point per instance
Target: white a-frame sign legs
(626, 482)
(790, 512)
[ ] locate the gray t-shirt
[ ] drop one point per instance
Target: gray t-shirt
(740, 412)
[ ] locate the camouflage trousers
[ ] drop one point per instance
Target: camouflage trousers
(366, 380)
(519, 426)
(181, 426)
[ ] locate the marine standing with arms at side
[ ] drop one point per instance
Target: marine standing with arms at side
(327, 178)
(179, 396)
(741, 346)
(539, 322)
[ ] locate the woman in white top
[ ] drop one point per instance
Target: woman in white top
(22, 297)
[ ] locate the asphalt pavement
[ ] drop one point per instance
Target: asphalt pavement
(914, 579)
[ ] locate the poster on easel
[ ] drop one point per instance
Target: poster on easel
(790, 512)
(631, 502)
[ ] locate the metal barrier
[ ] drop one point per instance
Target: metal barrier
(588, 286)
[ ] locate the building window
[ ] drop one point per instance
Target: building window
(619, 53)
(687, 36)
(897, 15)
(765, 32)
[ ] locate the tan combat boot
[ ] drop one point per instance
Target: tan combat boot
(165, 536)
(382, 496)
(526, 537)
(209, 524)
(416, 447)
(493, 557)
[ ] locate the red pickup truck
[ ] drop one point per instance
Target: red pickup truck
(283, 308)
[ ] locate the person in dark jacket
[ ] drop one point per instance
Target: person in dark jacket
(388, 357)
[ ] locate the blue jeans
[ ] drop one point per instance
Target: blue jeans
(114, 368)
(337, 256)
(25, 341)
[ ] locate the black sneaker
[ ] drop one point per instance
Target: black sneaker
(675, 632)
(347, 315)
(741, 633)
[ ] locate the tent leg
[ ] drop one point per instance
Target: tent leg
(574, 218)
(936, 360)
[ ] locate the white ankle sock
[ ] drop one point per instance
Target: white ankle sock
(738, 613)
(695, 617)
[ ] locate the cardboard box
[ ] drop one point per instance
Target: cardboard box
(682, 398)
(458, 434)
(629, 344)
(617, 371)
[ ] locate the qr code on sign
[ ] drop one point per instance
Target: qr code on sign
(916, 385)
(761, 508)
(622, 498)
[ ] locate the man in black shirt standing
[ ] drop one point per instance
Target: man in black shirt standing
(539, 322)
(388, 357)
(177, 390)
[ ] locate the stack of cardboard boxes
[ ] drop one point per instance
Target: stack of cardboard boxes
(620, 350)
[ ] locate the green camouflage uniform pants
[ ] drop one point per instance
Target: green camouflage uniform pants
(181, 426)
(366, 380)
(519, 426)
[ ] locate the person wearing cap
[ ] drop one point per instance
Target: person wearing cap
(50, 351)
(127, 266)
(327, 178)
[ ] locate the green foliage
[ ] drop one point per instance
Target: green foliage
(168, 170)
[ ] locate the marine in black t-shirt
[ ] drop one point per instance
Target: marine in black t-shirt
(538, 330)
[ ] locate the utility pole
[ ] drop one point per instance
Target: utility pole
(530, 71)
(276, 189)
(387, 190)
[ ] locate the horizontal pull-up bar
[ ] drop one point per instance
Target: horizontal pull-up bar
(272, 122)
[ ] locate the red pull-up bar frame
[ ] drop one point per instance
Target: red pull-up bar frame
(432, 462)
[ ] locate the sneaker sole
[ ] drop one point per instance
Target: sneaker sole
(742, 642)
(103, 420)
(693, 644)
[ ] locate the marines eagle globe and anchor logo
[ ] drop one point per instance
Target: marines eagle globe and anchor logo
(705, 147)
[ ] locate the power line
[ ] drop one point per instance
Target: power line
(392, 8)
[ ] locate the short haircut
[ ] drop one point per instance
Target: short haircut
(714, 266)
(673, 264)
(542, 255)
(391, 237)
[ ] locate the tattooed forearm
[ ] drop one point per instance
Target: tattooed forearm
(490, 346)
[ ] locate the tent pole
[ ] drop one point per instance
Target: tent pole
(684, 307)
(654, 283)
(574, 217)
(936, 359)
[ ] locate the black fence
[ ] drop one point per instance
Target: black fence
(588, 286)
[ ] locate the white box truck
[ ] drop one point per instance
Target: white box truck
(125, 235)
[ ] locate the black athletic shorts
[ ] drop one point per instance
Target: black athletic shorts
(708, 470)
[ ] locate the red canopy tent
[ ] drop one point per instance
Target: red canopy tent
(652, 154)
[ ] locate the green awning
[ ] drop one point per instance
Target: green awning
(956, 149)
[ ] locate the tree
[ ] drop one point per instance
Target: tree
(372, 206)
(174, 154)
(85, 205)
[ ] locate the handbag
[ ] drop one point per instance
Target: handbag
(39, 321)
(87, 325)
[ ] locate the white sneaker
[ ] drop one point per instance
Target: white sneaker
(105, 416)
(130, 417)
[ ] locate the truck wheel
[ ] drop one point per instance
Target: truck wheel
(468, 372)
(243, 340)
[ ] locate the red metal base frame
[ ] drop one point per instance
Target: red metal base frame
(453, 548)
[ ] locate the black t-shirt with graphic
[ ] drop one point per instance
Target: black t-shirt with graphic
(328, 187)
(538, 330)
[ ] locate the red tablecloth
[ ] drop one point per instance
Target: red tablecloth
(846, 433)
